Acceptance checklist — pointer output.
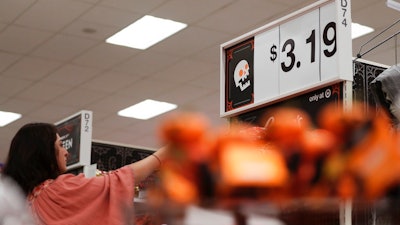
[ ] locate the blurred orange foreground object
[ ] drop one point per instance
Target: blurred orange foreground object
(317, 142)
(189, 135)
(254, 132)
(178, 188)
(376, 159)
(184, 127)
(285, 126)
(341, 123)
(246, 164)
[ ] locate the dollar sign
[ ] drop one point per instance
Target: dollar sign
(273, 53)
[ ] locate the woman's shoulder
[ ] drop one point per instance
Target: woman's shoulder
(65, 185)
(50, 183)
(70, 176)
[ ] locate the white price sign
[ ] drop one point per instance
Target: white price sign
(302, 51)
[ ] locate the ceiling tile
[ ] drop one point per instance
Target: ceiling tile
(174, 95)
(209, 106)
(31, 68)
(292, 3)
(190, 41)
(52, 113)
(13, 39)
(183, 71)
(210, 55)
(254, 11)
(11, 9)
(109, 81)
(71, 75)
(210, 80)
(99, 133)
(188, 11)
(134, 5)
(20, 106)
(90, 30)
(110, 16)
(361, 15)
(145, 88)
(207, 103)
(110, 104)
(3, 99)
(147, 62)
(361, 4)
(138, 130)
(386, 52)
(64, 47)
(143, 133)
(9, 86)
(41, 14)
(79, 97)
(105, 56)
(90, 1)
(42, 92)
(114, 122)
(6, 60)
(98, 115)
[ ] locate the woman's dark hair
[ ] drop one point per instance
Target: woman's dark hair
(32, 158)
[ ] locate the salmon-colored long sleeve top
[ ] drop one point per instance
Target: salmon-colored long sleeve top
(75, 199)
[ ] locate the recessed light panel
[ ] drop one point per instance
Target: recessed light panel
(358, 30)
(8, 117)
(147, 109)
(146, 32)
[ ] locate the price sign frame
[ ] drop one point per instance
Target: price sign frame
(76, 136)
(303, 51)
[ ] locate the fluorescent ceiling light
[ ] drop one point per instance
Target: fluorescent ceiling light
(147, 109)
(8, 117)
(393, 4)
(146, 32)
(358, 30)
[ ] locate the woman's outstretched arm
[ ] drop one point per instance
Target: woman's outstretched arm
(145, 167)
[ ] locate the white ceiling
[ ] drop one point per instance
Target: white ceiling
(54, 61)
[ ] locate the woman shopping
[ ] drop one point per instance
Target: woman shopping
(37, 162)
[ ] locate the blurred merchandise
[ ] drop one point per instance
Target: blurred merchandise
(288, 168)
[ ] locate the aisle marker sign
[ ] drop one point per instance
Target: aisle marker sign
(76, 136)
(305, 50)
